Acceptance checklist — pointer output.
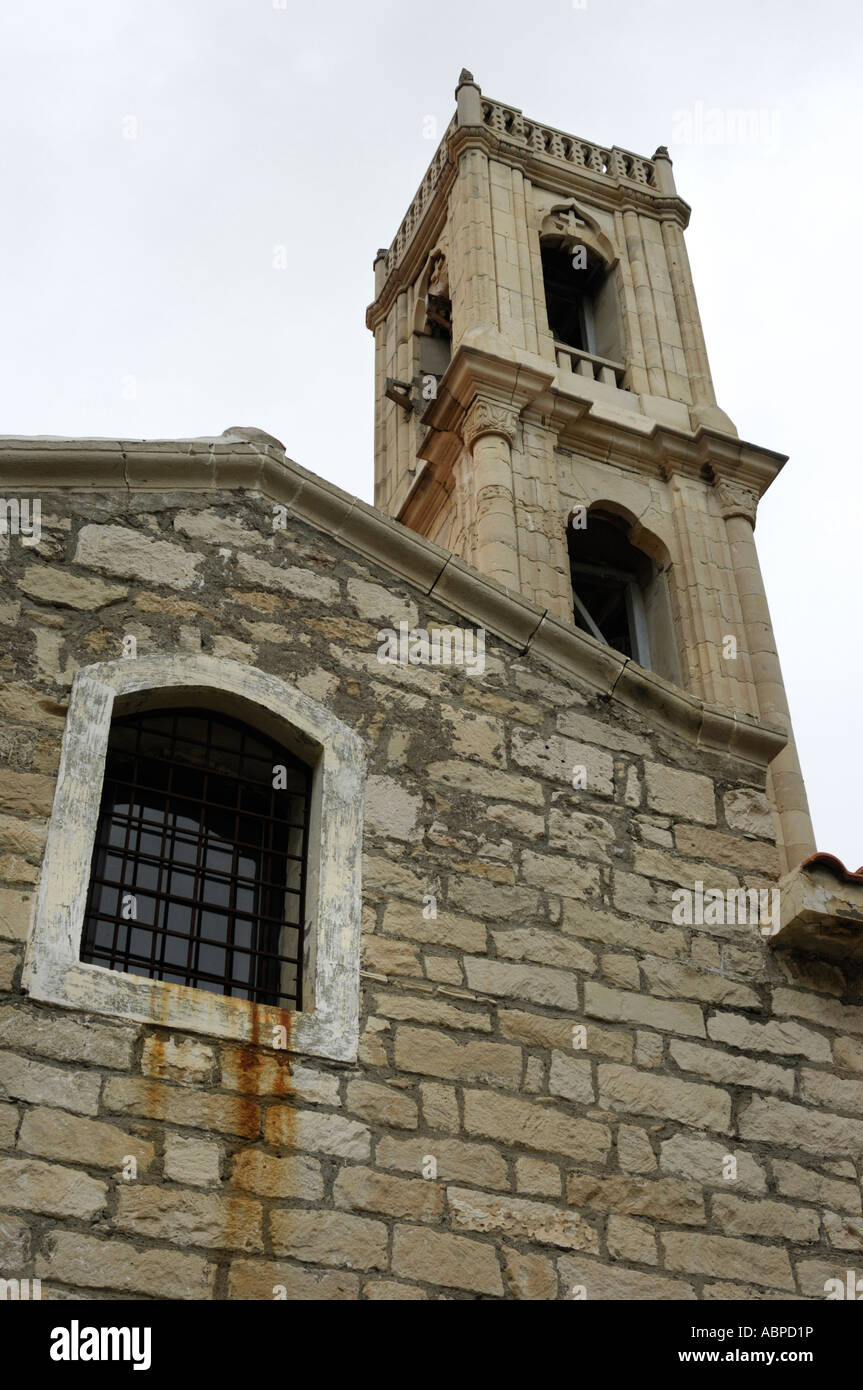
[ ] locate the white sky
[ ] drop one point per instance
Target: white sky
(143, 267)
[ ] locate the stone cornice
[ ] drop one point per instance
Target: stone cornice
(569, 179)
(505, 388)
(648, 446)
(584, 425)
(34, 466)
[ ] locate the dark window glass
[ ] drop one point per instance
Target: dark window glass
(567, 293)
(199, 868)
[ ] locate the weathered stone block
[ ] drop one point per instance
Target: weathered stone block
(437, 1054)
(454, 1159)
(541, 1223)
(773, 1220)
(329, 1238)
(534, 1126)
(556, 989)
(267, 1175)
(186, 1060)
(87, 1263)
(131, 555)
(329, 1134)
(707, 1161)
(730, 1069)
(684, 795)
(381, 1105)
(793, 1126)
(809, 1185)
(571, 1076)
(56, 1134)
(27, 1185)
(663, 1199)
(456, 1262)
(229, 1222)
(631, 1240)
(785, 1039)
(192, 1160)
(182, 1105)
(602, 1282)
(721, 1257)
(664, 1097)
(259, 1279)
(618, 1005)
(364, 1189)
(66, 1039)
(529, 1276)
(41, 1084)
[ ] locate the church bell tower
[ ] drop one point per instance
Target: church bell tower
(544, 409)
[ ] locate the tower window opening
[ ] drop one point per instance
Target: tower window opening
(436, 339)
(570, 292)
(609, 579)
(433, 326)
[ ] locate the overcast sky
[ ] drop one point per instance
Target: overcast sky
(161, 160)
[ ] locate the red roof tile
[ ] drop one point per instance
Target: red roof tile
(829, 861)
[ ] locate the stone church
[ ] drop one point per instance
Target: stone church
(420, 901)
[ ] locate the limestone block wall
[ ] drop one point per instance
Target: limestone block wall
(560, 1091)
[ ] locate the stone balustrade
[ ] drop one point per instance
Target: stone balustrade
(589, 365)
(617, 164)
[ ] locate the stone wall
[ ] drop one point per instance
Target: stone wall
(558, 1087)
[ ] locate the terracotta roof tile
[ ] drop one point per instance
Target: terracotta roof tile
(829, 861)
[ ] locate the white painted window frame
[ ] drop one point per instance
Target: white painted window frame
(328, 1025)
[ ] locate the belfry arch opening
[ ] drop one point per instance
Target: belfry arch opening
(581, 298)
(620, 593)
(571, 276)
(433, 319)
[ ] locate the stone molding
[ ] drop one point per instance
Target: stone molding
(31, 466)
(328, 1026)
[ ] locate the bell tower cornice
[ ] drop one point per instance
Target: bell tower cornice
(482, 393)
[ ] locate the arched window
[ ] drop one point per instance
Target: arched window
(199, 865)
(570, 292)
(202, 867)
(582, 292)
(619, 593)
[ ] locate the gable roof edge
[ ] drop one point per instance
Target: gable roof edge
(257, 465)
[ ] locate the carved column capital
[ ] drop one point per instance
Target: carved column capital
(489, 417)
(737, 500)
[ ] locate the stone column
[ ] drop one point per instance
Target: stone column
(489, 432)
(473, 284)
(785, 780)
(688, 317)
(645, 306)
(543, 555)
(683, 289)
(638, 376)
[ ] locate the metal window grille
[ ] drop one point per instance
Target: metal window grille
(199, 868)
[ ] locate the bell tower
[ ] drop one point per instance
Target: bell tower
(544, 409)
